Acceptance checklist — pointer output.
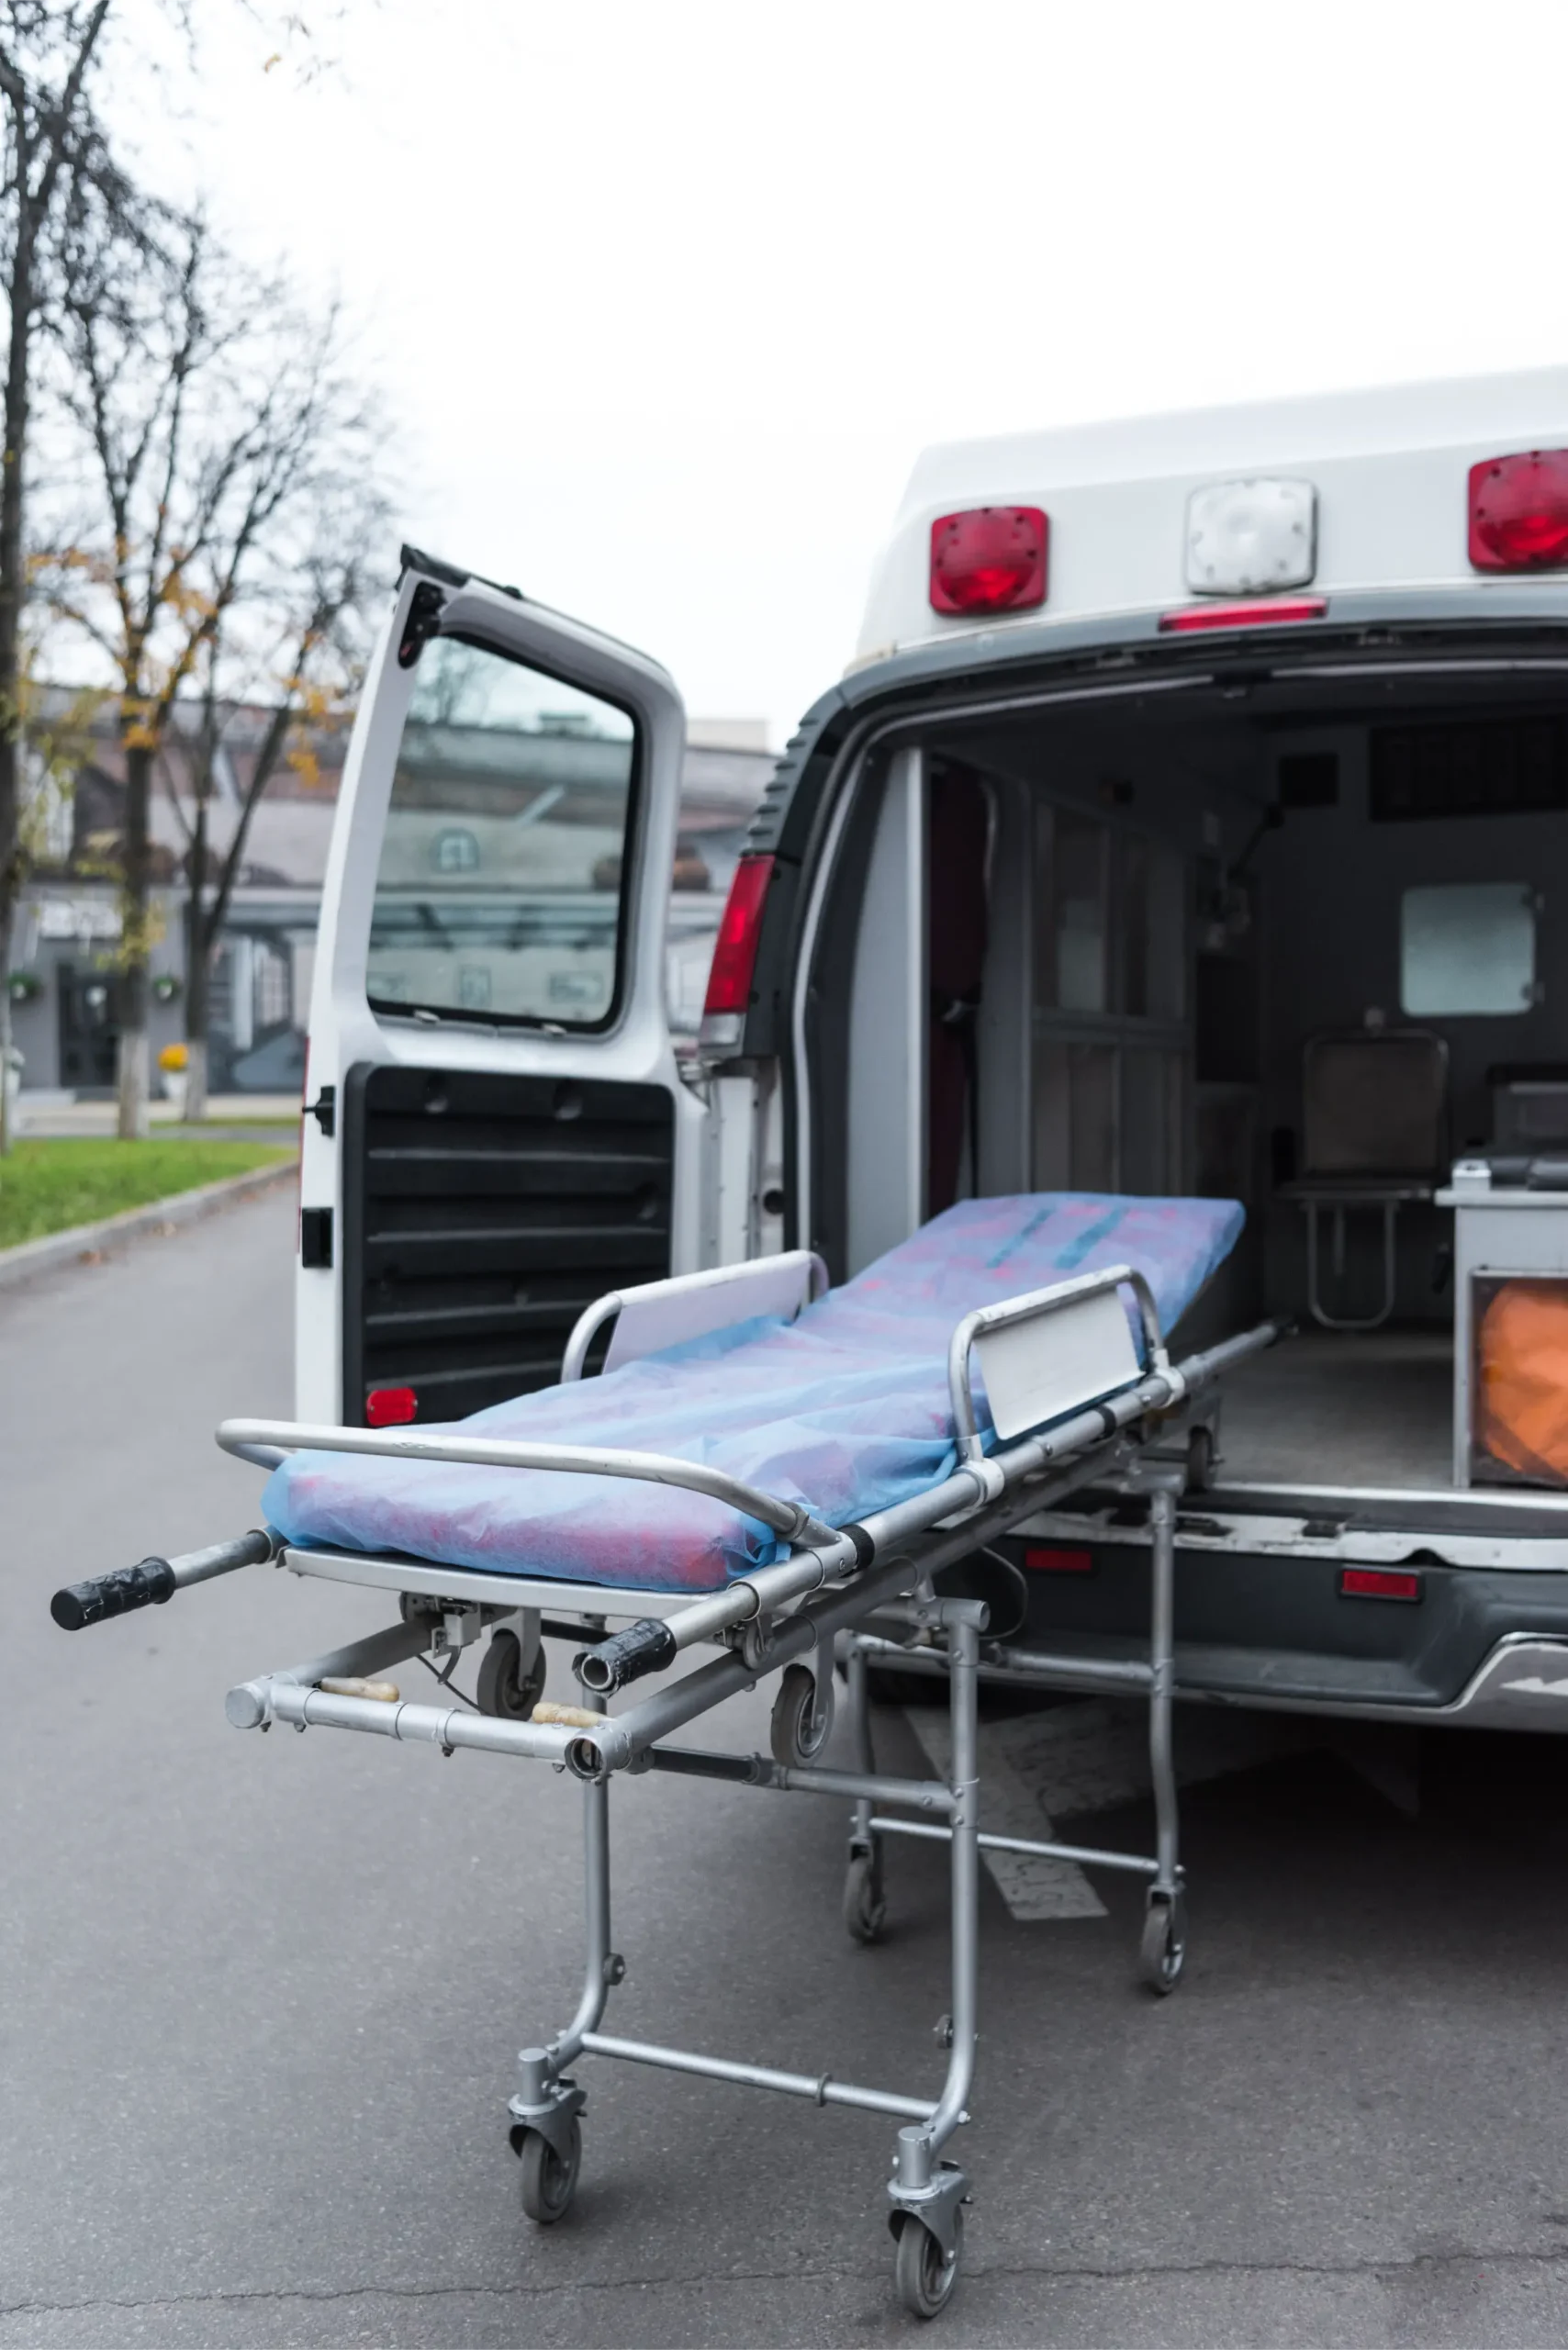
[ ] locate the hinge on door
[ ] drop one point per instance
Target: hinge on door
(324, 1110)
(425, 608)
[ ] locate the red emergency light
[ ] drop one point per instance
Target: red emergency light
(989, 559)
(740, 928)
(1258, 613)
(1379, 1583)
(390, 1407)
(1519, 512)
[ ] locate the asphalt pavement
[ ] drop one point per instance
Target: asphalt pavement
(260, 1996)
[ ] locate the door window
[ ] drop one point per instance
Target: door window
(499, 892)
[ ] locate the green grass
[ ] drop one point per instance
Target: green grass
(47, 1186)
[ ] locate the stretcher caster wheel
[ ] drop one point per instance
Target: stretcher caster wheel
(923, 2276)
(1163, 1951)
(802, 1716)
(1199, 1460)
(865, 1906)
(549, 2179)
(505, 1690)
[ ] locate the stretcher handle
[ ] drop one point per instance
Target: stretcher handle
(152, 1581)
(646, 1646)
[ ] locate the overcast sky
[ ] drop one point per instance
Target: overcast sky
(667, 297)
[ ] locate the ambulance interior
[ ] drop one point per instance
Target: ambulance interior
(1282, 939)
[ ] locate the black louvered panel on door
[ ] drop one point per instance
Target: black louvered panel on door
(481, 1214)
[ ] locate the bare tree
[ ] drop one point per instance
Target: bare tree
(318, 608)
(48, 52)
(213, 413)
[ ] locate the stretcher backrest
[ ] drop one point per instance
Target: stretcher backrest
(655, 1314)
(1039, 1369)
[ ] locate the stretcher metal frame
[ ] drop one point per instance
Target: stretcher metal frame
(859, 1594)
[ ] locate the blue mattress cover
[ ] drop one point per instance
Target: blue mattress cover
(844, 1410)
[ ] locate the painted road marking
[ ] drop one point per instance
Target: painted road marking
(1070, 1761)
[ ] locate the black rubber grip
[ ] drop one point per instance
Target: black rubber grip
(147, 1584)
(646, 1646)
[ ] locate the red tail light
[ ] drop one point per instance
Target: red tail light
(734, 955)
(1379, 1583)
(389, 1408)
(1519, 512)
(1041, 1561)
(1261, 613)
(991, 559)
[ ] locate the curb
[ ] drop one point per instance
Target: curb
(57, 1249)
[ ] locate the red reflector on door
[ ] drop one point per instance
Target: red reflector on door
(1379, 1583)
(389, 1407)
(1058, 1563)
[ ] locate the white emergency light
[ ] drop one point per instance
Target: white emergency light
(1244, 537)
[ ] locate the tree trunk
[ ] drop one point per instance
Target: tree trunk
(7, 927)
(13, 587)
(198, 960)
(133, 1069)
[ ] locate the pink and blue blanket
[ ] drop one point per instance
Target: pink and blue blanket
(844, 1410)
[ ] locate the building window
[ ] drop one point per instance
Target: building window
(456, 851)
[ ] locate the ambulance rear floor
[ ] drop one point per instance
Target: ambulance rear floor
(1327, 1409)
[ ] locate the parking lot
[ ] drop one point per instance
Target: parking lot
(260, 1997)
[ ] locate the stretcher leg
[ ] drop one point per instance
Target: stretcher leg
(928, 2192)
(865, 1904)
(546, 2131)
(1164, 1946)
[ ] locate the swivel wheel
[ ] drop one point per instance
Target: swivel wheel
(924, 2275)
(1163, 1951)
(802, 1716)
(864, 1904)
(550, 2180)
(505, 1691)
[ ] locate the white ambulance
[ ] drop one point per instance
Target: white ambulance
(1193, 819)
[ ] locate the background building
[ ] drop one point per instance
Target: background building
(63, 977)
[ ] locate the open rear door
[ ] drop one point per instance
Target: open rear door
(494, 1131)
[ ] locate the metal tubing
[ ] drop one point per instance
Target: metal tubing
(1022, 1665)
(963, 1642)
(790, 1778)
(821, 2087)
(1162, 1630)
(928, 1795)
(860, 1708)
(425, 1725)
(1034, 1306)
(252, 1549)
(495, 1452)
(760, 1593)
(596, 1904)
(1129, 1673)
(253, 1702)
(1133, 1862)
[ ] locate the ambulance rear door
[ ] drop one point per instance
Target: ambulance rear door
(494, 1131)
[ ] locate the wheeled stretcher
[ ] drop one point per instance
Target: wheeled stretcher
(920, 1433)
